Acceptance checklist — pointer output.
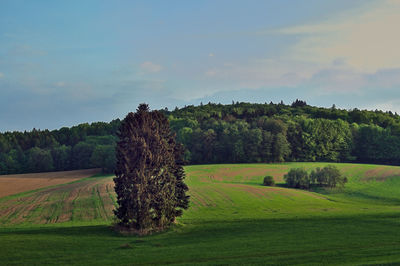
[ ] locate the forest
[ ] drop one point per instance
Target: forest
(217, 133)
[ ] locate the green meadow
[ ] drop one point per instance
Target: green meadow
(232, 219)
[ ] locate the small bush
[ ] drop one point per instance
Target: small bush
(269, 181)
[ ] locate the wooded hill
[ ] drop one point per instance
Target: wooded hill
(216, 133)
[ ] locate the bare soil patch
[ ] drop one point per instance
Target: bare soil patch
(381, 174)
(13, 184)
(247, 173)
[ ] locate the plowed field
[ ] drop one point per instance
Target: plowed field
(13, 184)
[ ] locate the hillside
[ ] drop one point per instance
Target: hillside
(232, 219)
(216, 133)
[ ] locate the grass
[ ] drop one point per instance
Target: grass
(232, 219)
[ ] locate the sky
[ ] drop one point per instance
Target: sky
(68, 62)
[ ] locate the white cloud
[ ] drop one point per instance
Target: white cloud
(210, 54)
(1, 75)
(367, 41)
(150, 67)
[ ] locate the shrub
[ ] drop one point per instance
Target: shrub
(298, 178)
(318, 177)
(328, 176)
(269, 181)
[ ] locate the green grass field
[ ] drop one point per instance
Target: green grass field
(232, 219)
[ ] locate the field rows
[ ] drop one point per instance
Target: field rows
(232, 219)
(87, 200)
(13, 184)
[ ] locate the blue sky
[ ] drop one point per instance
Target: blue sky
(69, 62)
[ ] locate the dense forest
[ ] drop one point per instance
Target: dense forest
(216, 133)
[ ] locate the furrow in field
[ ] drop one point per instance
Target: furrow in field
(111, 193)
(66, 213)
(107, 201)
(101, 196)
(200, 197)
(222, 194)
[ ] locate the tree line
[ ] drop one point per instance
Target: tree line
(243, 132)
(216, 133)
(79, 147)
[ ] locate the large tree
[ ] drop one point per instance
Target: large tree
(149, 180)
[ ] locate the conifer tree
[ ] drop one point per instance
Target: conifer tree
(149, 180)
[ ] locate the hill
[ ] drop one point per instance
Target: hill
(232, 219)
(216, 133)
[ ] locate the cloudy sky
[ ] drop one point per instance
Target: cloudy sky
(68, 62)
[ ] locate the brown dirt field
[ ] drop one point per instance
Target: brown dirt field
(228, 174)
(13, 184)
(381, 174)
